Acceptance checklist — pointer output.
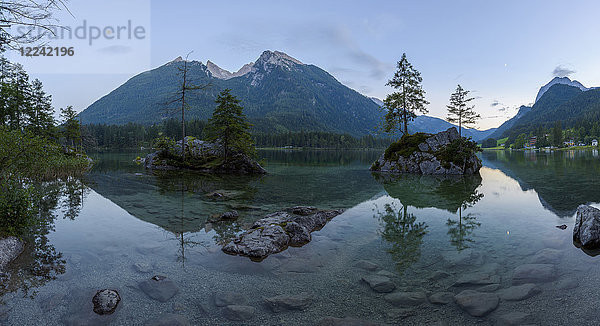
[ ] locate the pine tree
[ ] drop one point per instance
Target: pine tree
(71, 130)
(40, 117)
(229, 127)
(402, 106)
(459, 110)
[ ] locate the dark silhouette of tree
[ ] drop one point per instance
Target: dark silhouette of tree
(459, 110)
(402, 106)
(36, 16)
(229, 127)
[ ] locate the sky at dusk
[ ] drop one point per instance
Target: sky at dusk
(502, 51)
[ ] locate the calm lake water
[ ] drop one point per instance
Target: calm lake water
(122, 225)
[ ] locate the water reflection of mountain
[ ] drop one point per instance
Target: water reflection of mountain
(421, 191)
(327, 179)
(562, 179)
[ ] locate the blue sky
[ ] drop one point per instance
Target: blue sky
(502, 51)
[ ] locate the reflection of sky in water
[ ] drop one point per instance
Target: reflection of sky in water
(115, 229)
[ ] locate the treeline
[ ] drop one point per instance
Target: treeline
(556, 136)
(131, 135)
(34, 148)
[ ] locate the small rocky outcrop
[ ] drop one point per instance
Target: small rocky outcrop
(444, 153)
(10, 248)
(586, 232)
(202, 156)
(106, 301)
(276, 231)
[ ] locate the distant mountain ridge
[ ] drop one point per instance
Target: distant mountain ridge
(559, 80)
(429, 124)
(278, 92)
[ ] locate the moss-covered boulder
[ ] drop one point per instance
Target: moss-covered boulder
(444, 153)
(202, 156)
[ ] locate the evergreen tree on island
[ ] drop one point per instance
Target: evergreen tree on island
(459, 110)
(402, 106)
(229, 127)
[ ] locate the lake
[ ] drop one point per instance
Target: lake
(424, 238)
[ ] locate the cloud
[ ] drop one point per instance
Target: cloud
(562, 71)
(115, 49)
(499, 106)
(341, 38)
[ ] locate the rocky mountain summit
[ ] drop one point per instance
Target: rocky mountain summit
(442, 153)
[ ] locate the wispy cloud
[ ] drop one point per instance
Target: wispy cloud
(499, 106)
(562, 71)
(115, 49)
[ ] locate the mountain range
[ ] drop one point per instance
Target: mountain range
(278, 93)
(281, 94)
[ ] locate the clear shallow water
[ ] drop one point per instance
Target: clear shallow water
(424, 233)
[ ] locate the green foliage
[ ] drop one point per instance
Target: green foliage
(71, 128)
(459, 110)
(402, 106)
(228, 126)
(164, 143)
(457, 152)
(490, 142)
(407, 145)
(520, 141)
(29, 152)
(16, 208)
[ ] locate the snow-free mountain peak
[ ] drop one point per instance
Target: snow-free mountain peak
(221, 73)
(276, 58)
(560, 80)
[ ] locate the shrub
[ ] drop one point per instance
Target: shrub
(17, 214)
(457, 152)
(407, 145)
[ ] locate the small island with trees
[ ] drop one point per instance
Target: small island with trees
(446, 152)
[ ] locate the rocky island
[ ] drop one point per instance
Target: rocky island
(444, 153)
(201, 156)
(277, 231)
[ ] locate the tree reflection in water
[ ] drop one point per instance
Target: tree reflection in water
(402, 231)
(39, 262)
(460, 230)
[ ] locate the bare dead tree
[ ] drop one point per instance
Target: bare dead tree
(185, 86)
(37, 16)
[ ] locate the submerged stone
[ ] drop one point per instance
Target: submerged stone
(477, 304)
(534, 273)
(10, 248)
(284, 302)
(169, 320)
(159, 288)
(379, 283)
(441, 297)
(227, 298)
(333, 321)
(404, 299)
(106, 301)
(366, 265)
(238, 312)
(519, 292)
